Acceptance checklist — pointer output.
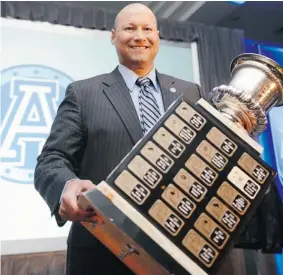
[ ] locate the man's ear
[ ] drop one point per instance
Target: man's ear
(113, 35)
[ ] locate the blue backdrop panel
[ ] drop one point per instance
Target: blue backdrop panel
(272, 138)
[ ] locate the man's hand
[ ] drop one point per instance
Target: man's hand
(69, 208)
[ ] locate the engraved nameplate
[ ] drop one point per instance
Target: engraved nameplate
(198, 246)
(180, 129)
(211, 230)
(213, 156)
(190, 185)
(192, 117)
(233, 198)
(169, 142)
(253, 168)
(242, 181)
(149, 175)
(166, 217)
(222, 142)
(221, 213)
(132, 187)
(157, 157)
(201, 169)
(174, 197)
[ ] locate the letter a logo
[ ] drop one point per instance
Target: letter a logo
(30, 98)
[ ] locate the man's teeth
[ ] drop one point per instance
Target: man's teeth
(139, 48)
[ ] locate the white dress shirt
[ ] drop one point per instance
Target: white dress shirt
(131, 77)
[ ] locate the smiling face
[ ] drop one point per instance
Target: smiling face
(136, 37)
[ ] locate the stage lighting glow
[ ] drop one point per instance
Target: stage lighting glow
(238, 2)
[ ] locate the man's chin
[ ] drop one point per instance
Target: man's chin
(138, 60)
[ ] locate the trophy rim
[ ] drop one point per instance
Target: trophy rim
(256, 57)
(273, 66)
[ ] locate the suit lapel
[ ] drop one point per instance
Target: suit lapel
(168, 88)
(118, 93)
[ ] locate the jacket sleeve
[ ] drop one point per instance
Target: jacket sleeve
(60, 157)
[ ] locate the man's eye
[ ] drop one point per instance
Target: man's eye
(129, 28)
(148, 29)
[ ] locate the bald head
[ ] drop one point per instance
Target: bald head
(131, 9)
(136, 38)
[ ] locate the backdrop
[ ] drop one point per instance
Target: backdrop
(272, 138)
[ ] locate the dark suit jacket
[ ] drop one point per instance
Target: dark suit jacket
(95, 127)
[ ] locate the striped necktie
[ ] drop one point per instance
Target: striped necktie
(149, 110)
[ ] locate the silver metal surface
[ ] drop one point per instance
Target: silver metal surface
(255, 87)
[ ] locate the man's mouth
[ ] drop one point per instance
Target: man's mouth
(138, 47)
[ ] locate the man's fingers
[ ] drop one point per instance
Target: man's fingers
(63, 213)
(87, 185)
(71, 211)
(83, 213)
(78, 215)
(69, 201)
(69, 208)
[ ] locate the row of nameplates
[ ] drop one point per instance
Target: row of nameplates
(191, 183)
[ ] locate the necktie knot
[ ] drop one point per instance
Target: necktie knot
(143, 81)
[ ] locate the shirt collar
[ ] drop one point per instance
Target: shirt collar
(131, 77)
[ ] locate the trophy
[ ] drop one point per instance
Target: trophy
(180, 198)
(256, 86)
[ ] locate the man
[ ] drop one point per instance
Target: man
(97, 124)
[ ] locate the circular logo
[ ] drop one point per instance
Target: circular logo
(30, 96)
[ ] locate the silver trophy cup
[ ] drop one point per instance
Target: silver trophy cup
(255, 87)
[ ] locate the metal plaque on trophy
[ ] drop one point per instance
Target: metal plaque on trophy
(178, 200)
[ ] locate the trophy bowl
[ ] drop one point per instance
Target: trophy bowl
(255, 87)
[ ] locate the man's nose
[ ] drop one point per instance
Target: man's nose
(139, 35)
